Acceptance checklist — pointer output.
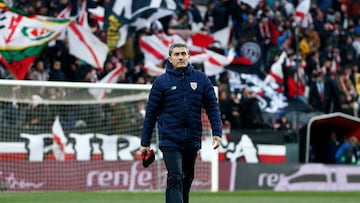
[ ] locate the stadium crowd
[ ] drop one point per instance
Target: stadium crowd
(321, 68)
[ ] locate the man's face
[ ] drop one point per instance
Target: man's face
(179, 57)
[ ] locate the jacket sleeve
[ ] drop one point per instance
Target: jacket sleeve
(152, 112)
(211, 107)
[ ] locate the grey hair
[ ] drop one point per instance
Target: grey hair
(177, 45)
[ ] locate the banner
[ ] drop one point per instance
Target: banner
(292, 177)
(246, 147)
(132, 176)
(91, 176)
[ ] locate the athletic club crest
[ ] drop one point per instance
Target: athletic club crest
(193, 85)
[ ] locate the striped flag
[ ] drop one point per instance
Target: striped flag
(59, 140)
(111, 77)
(156, 47)
(199, 41)
(276, 73)
(23, 38)
(153, 48)
(302, 10)
(152, 69)
(223, 36)
(213, 62)
(99, 14)
(86, 46)
(83, 17)
(65, 13)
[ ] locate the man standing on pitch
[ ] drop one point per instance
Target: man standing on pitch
(175, 102)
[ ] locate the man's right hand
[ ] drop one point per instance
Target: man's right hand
(144, 149)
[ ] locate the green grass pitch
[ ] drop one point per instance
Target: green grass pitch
(195, 197)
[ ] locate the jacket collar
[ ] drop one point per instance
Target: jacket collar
(177, 71)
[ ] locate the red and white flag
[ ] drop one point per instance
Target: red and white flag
(252, 3)
(199, 41)
(153, 48)
(213, 62)
(64, 14)
(111, 77)
(99, 13)
(223, 36)
(156, 47)
(152, 69)
(86, 46)
(302, 10)
(276, 73)
(83, 17)
(59, 140)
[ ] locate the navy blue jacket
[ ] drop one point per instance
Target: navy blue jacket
(175, 102)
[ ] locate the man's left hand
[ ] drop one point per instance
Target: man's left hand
(216, 142)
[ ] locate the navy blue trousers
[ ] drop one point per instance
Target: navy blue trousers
(180, 164)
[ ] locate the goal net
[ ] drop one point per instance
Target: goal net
(83, 136)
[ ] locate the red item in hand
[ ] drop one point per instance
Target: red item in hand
(148, 158)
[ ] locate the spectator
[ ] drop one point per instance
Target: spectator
(348, 94)
(56, 74)
(233, 111)
(331, 148)
(39, 72)
(282, 122)
(313, 67)
(251, 116)
(348, 151)
(216, 16)
(179, 24)
(224, 104)
(77, 70)
(108, 67)
(11, 115)
(3, 72)
(195, 14)
(356, 44)
(267, 35)
(91, 76)
(347, 51)
(137, 119)
(37, 113)
(247, 30)
(304, 45)
(332, 101)
(294, 79)
(119, 116)
(316, 93)
(127, 52)
(314, 38)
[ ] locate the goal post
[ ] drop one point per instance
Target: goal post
(83, 136)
